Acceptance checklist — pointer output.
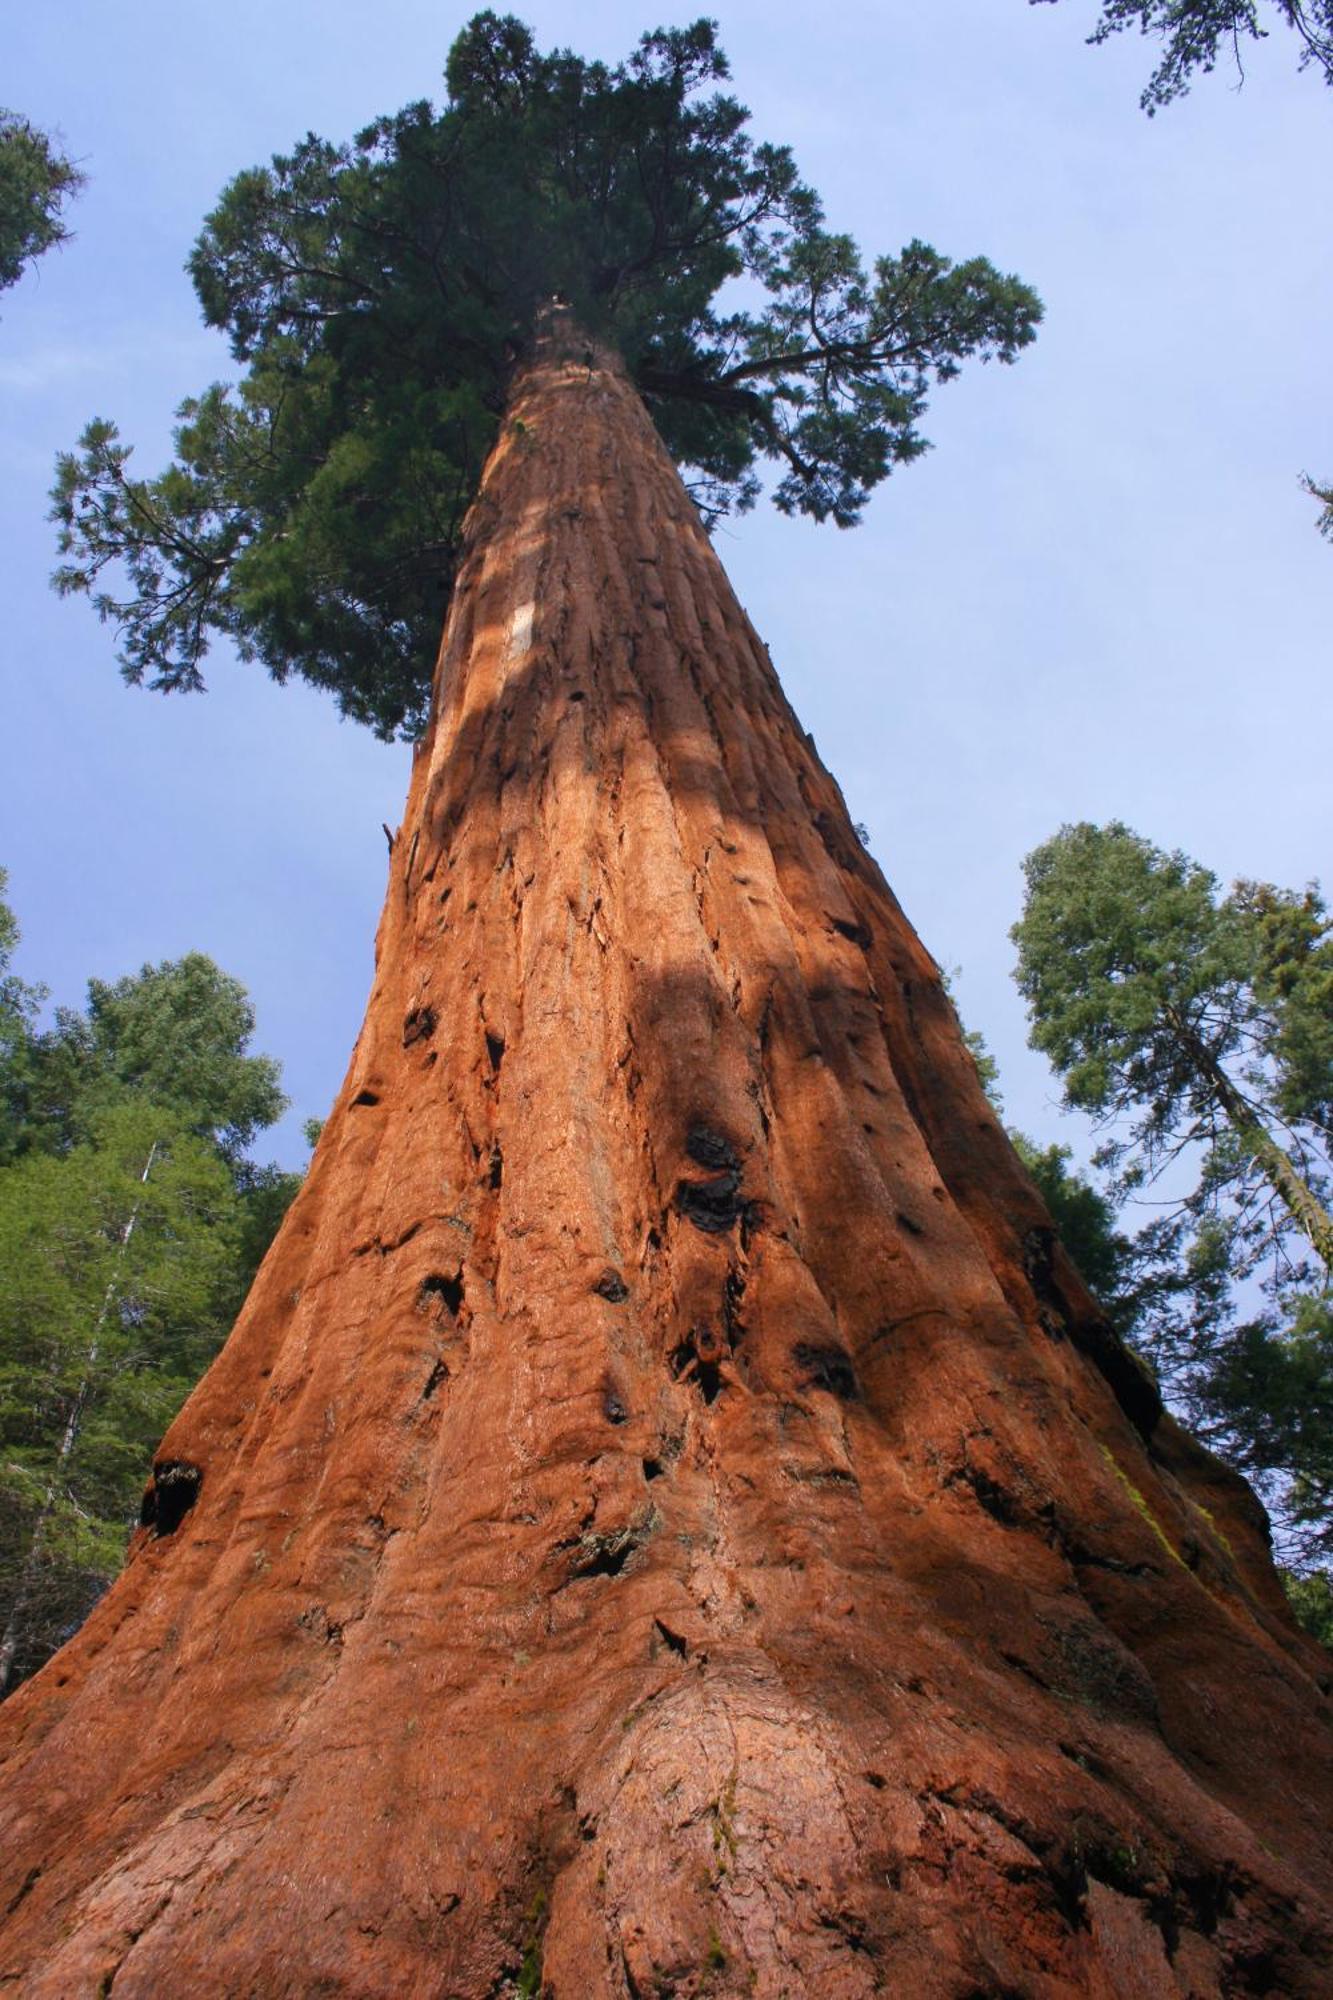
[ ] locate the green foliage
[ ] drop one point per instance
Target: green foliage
(1273, 1386)
(988, 1070)
(377, 294)
(1205, 1024)
(1311, 1599)
(1202, 1022)
(19, 1004)
(177, 1032)
(529, 1982)
(116, 1327)
(1290, 941)
(1195, 33)
(1117, 944)
(131, 1225)
(35, 183)
(1085, 1221)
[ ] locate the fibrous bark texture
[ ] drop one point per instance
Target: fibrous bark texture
(669, 1520)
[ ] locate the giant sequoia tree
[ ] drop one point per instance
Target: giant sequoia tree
(670, 1519)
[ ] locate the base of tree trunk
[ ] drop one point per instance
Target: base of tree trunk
(669, 1520)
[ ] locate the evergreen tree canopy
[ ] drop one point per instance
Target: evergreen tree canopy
(179, 1033)
(131, 1225)
(1312, 1601)
(377, 294)
(35, 182)
(19, 1003)
(1206, 1023)
(1086, 1222)
(1291, 941)
(1195, 33)
(120, 1271)
(1200, 1020)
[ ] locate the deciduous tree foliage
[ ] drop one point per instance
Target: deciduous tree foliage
(131, 1225)
(376, 293)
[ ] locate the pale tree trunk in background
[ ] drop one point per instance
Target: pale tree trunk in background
(668, 1514)
(13, 1636)
(1273, 1161)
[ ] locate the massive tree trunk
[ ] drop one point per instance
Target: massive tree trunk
(669, 1519)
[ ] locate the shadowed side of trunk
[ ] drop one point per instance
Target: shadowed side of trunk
(669, 1518)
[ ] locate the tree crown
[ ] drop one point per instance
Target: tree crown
(175, 1035)
(378, 293)
(1200, 1018)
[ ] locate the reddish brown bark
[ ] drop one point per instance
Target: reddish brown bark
(668, 1514)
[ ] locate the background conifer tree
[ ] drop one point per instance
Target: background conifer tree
(1198, 1028)
(131, 1225)
(36, 180)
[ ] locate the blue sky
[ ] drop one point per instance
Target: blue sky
(1100, 596)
